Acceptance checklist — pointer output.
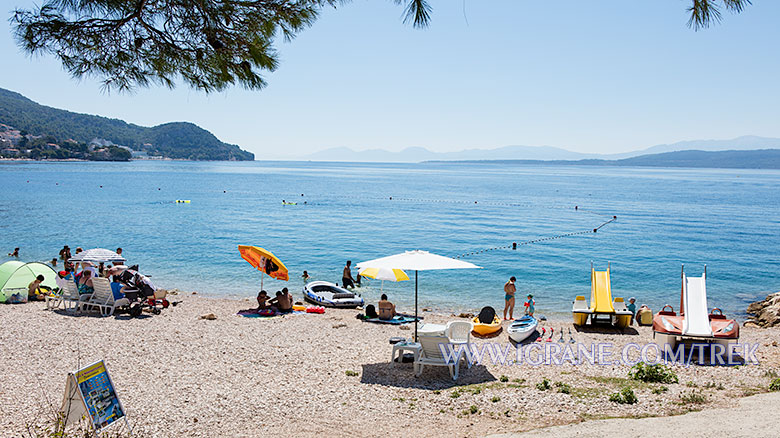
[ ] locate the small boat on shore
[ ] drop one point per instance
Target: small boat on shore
(522, 328)
(487, 322)
(324, 293)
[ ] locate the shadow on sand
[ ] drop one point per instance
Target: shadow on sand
(402, 376)
(86, 314)
(606, 329)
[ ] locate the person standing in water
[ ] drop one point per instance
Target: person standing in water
(509, 297)
(346, 277)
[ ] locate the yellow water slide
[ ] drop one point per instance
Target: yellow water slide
(600, 292)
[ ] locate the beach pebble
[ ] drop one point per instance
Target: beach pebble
(339, 325)
(208, 316)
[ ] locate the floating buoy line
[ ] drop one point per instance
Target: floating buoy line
(514, 245)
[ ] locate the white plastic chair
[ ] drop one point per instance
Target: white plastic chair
(459, 333)
(103, 298)
(431, 355)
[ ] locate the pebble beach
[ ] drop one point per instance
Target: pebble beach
(178, 374)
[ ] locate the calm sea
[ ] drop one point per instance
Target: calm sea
(728, 219)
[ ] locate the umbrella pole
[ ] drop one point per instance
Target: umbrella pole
(261, 280)
(415, 306)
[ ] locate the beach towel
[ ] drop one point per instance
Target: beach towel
(397, 320)
(255, 313)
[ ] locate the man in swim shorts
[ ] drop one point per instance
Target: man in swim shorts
(509, 297)
(346, 277)
(282, 302)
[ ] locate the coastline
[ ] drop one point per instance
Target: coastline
(178, 375)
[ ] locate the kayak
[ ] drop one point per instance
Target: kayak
(486, 329)
(522, 328)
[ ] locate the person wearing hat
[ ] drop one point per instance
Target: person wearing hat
(530, 305)
(632, 307)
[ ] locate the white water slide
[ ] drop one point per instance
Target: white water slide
(697, 320)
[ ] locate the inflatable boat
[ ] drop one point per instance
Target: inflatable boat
(522, 328)
(694, 323)
(323, 293)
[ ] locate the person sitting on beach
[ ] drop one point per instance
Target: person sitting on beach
(346, 277)
(34, 291)
(632, 307)
(15, 253)
(385, 308)
(282, 302)
(85, 283)
(530, 305)
(117, 263)
(262, 300)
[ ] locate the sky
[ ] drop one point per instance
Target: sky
(600, 76)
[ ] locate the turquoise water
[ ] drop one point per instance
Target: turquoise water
(728, 219)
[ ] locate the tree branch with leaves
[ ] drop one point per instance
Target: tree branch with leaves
(208, 44)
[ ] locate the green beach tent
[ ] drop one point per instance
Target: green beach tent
(15, 276)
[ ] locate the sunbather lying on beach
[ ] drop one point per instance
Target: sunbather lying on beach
(386, 309)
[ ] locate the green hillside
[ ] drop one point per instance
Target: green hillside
(171, 140)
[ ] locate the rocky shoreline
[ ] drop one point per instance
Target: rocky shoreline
(765, 313)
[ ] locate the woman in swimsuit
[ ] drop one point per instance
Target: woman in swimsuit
(509, 297)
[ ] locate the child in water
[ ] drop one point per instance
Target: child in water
(530, 305)
(305, 277)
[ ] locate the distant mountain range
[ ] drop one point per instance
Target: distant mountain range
(750, 159)
(179, 140)
(418, 154)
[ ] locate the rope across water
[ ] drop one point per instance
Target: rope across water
(514, 245)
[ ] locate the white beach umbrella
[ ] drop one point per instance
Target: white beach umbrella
(417, 261)
(97, 255)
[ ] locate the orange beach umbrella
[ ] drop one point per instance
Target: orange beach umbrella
(265, 262)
